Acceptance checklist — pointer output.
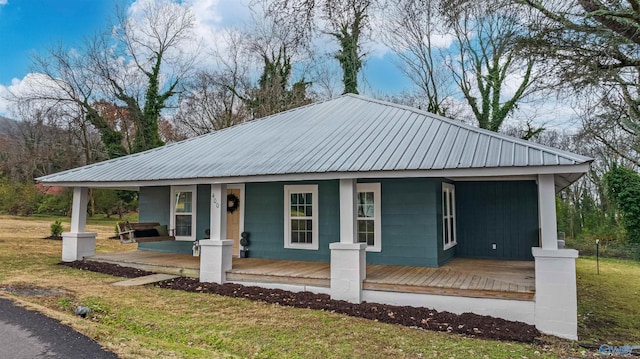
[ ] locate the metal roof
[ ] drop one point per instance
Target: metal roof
(348, 134)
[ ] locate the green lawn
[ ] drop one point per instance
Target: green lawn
(143, 322)
(608, 303)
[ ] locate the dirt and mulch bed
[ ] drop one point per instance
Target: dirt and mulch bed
(54, 238)
(107, 268)
(469, 324)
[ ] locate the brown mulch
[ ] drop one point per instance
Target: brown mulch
(469, 324)
(107, 268)
(55, 238)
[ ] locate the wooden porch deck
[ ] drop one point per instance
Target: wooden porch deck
(481, 278)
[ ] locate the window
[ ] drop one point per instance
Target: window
(301, 216)
(183, 211)
(448, 215)
(369, 226)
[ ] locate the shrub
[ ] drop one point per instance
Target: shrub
(56, 228)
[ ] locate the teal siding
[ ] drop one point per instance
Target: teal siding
(180, 247)
(155, 205)
(409, 221)
(504, 213)
(264, 220)
(203, 212)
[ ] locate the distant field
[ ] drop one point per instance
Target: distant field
(143, 322)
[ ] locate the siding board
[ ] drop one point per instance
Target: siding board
(503, 212)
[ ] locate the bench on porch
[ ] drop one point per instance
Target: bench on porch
(143, 232)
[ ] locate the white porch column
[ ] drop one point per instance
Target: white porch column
(216, 253)
(77, 243)
(556, 299)
(348, 257)
(547, 210)
(348, 211)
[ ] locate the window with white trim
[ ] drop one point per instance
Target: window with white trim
(369, 226)
(301, 216)
(449, 238)
(183, 212)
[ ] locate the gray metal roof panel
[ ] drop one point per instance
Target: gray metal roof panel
(348, 134)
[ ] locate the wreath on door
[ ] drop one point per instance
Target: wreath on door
(233, 202)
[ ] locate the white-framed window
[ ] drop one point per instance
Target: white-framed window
(301, 216)
(183, 212)
(369, 217)
(449, 238)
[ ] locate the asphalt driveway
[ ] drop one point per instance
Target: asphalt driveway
(26, 334)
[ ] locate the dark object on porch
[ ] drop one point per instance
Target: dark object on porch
(244, 242)
(143, 232)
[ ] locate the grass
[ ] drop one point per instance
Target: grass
(142, 322)
(608, 306)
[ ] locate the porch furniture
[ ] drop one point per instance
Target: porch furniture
(130, 232)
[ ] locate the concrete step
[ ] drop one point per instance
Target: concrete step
(158, 277)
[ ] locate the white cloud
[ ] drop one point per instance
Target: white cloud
(16, 87)
(3, 2)
(32, 83)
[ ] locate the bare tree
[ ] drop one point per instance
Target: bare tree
(487, 37)
(273, 45)
(151, 42)
(347, 21)
(138, 65)
(211, 104)
(40, 143)
(409, 31)
(593, 46)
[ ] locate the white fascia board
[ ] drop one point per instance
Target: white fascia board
(476, 173)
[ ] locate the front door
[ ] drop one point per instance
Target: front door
(234, 218)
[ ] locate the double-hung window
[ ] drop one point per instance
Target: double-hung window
(448, 215)
(369, 226)
(183, 212)
(301, 216)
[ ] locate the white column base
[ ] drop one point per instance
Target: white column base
(215, 260)
(348, 270)
(76, 246)
(556, 298)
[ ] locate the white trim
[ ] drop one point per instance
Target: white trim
(547, 212)
(446, 189)
(241, 187)
(458, 172)
(377, 215)
(348, 211)
(79, 209)
(194, 209)
(313, 189)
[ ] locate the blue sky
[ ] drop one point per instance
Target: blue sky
(27, 26)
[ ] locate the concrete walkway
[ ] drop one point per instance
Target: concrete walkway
(147, 279)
